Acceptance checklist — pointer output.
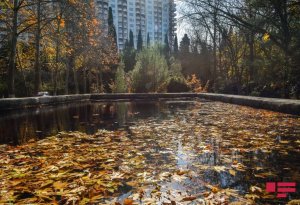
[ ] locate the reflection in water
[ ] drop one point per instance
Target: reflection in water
(18, 127)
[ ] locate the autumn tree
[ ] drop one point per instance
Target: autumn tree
(254, 32)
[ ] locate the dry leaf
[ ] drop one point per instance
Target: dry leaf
(59, 185)
(128, 202)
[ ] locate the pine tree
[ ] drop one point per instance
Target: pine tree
(140, 41)
(175, 47)
(131, 40)
(185, 44)
(167, 46)
(111, 27)
(126, 45)
(148, 41)
(128, 56)
(150, 72)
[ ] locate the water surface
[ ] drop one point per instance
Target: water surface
(166, 150)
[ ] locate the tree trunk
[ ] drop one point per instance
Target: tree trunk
(215, 49)
(57, 55)
(75, 80)
(37, 67)
(67, 80)
(84, 80)
(12, 56)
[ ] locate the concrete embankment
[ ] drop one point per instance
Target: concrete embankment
(275, 104)
(18, 103)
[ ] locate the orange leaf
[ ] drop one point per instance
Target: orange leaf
(128, 202)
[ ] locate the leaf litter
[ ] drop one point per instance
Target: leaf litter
(222, 157)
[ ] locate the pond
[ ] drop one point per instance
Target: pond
(180, 151)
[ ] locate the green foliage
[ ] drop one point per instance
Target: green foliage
(150, 73)
(131, 39)
(167, 46)
(120, 79)
(128, 55)
(111, 27)
(140, 41)
(176, 81)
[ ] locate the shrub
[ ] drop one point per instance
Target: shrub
(150, 72)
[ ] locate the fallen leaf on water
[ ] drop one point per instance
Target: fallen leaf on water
(232, 172)
(128, 202)
(189, 198)
(252, 196)
(294, 202)
(255, 189)
(181, 172)
(215, 189)
(219, 168)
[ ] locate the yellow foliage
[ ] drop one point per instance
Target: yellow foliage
(266, 37)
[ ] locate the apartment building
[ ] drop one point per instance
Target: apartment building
(153, 17)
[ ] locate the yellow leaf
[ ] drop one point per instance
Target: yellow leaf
(232, 172)
(59, 185)
(266, 37)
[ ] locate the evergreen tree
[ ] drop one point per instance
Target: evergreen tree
(148, 41)
(131, 40)
(150, 72)
(126, 45)
(128, 56)
(140, 41)
(175, 47)
(185, 44)
(111, 27)
(167, 46)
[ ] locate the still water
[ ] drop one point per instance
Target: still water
(18, 127)
(213, 151)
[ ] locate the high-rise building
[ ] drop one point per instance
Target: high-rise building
(153, 17)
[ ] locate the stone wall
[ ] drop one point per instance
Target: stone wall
(279, 105)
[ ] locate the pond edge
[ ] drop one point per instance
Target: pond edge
(289, 106)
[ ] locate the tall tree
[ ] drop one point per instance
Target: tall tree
(111, 27)
(175, 46)
(37, 67)
(148, 40)
(131, 39)
(128, 55)
(185, 44)
(140, 41)
(167, 46)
